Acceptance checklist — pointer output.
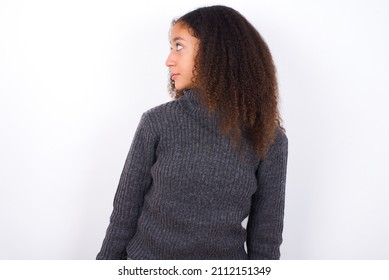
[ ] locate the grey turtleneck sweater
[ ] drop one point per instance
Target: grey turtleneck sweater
(184, 191)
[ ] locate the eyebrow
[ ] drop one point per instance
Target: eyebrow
(178, 38)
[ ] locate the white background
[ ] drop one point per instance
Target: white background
(75, 77)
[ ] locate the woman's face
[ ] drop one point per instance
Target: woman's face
(183, 50)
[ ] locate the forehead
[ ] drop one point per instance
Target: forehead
(180, 32)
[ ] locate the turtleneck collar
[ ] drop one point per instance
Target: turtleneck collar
(191, 103)
(192, 95)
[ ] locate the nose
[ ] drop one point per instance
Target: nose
(170, 61)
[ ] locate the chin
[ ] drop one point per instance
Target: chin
(183, 87)
(180, 88)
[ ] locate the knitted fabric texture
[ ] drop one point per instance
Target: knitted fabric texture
(184, 191)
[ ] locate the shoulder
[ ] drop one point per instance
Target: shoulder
(281, 138)
(161, 115)
(162, 110)
(280, 143)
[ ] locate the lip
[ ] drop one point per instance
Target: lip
(172, 76)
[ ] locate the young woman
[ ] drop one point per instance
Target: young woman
(201, 163)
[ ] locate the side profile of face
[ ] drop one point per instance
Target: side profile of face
(183, 50)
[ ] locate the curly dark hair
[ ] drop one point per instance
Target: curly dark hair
(235, 75)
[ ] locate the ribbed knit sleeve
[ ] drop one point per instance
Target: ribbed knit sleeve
(265, 223)
(134, 182)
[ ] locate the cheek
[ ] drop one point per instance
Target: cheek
(190, 67)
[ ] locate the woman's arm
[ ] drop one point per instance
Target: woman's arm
(265, 223)
(134, 182)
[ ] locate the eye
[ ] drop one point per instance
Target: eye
(179, 47)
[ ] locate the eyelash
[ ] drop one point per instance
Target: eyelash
(177, 45)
